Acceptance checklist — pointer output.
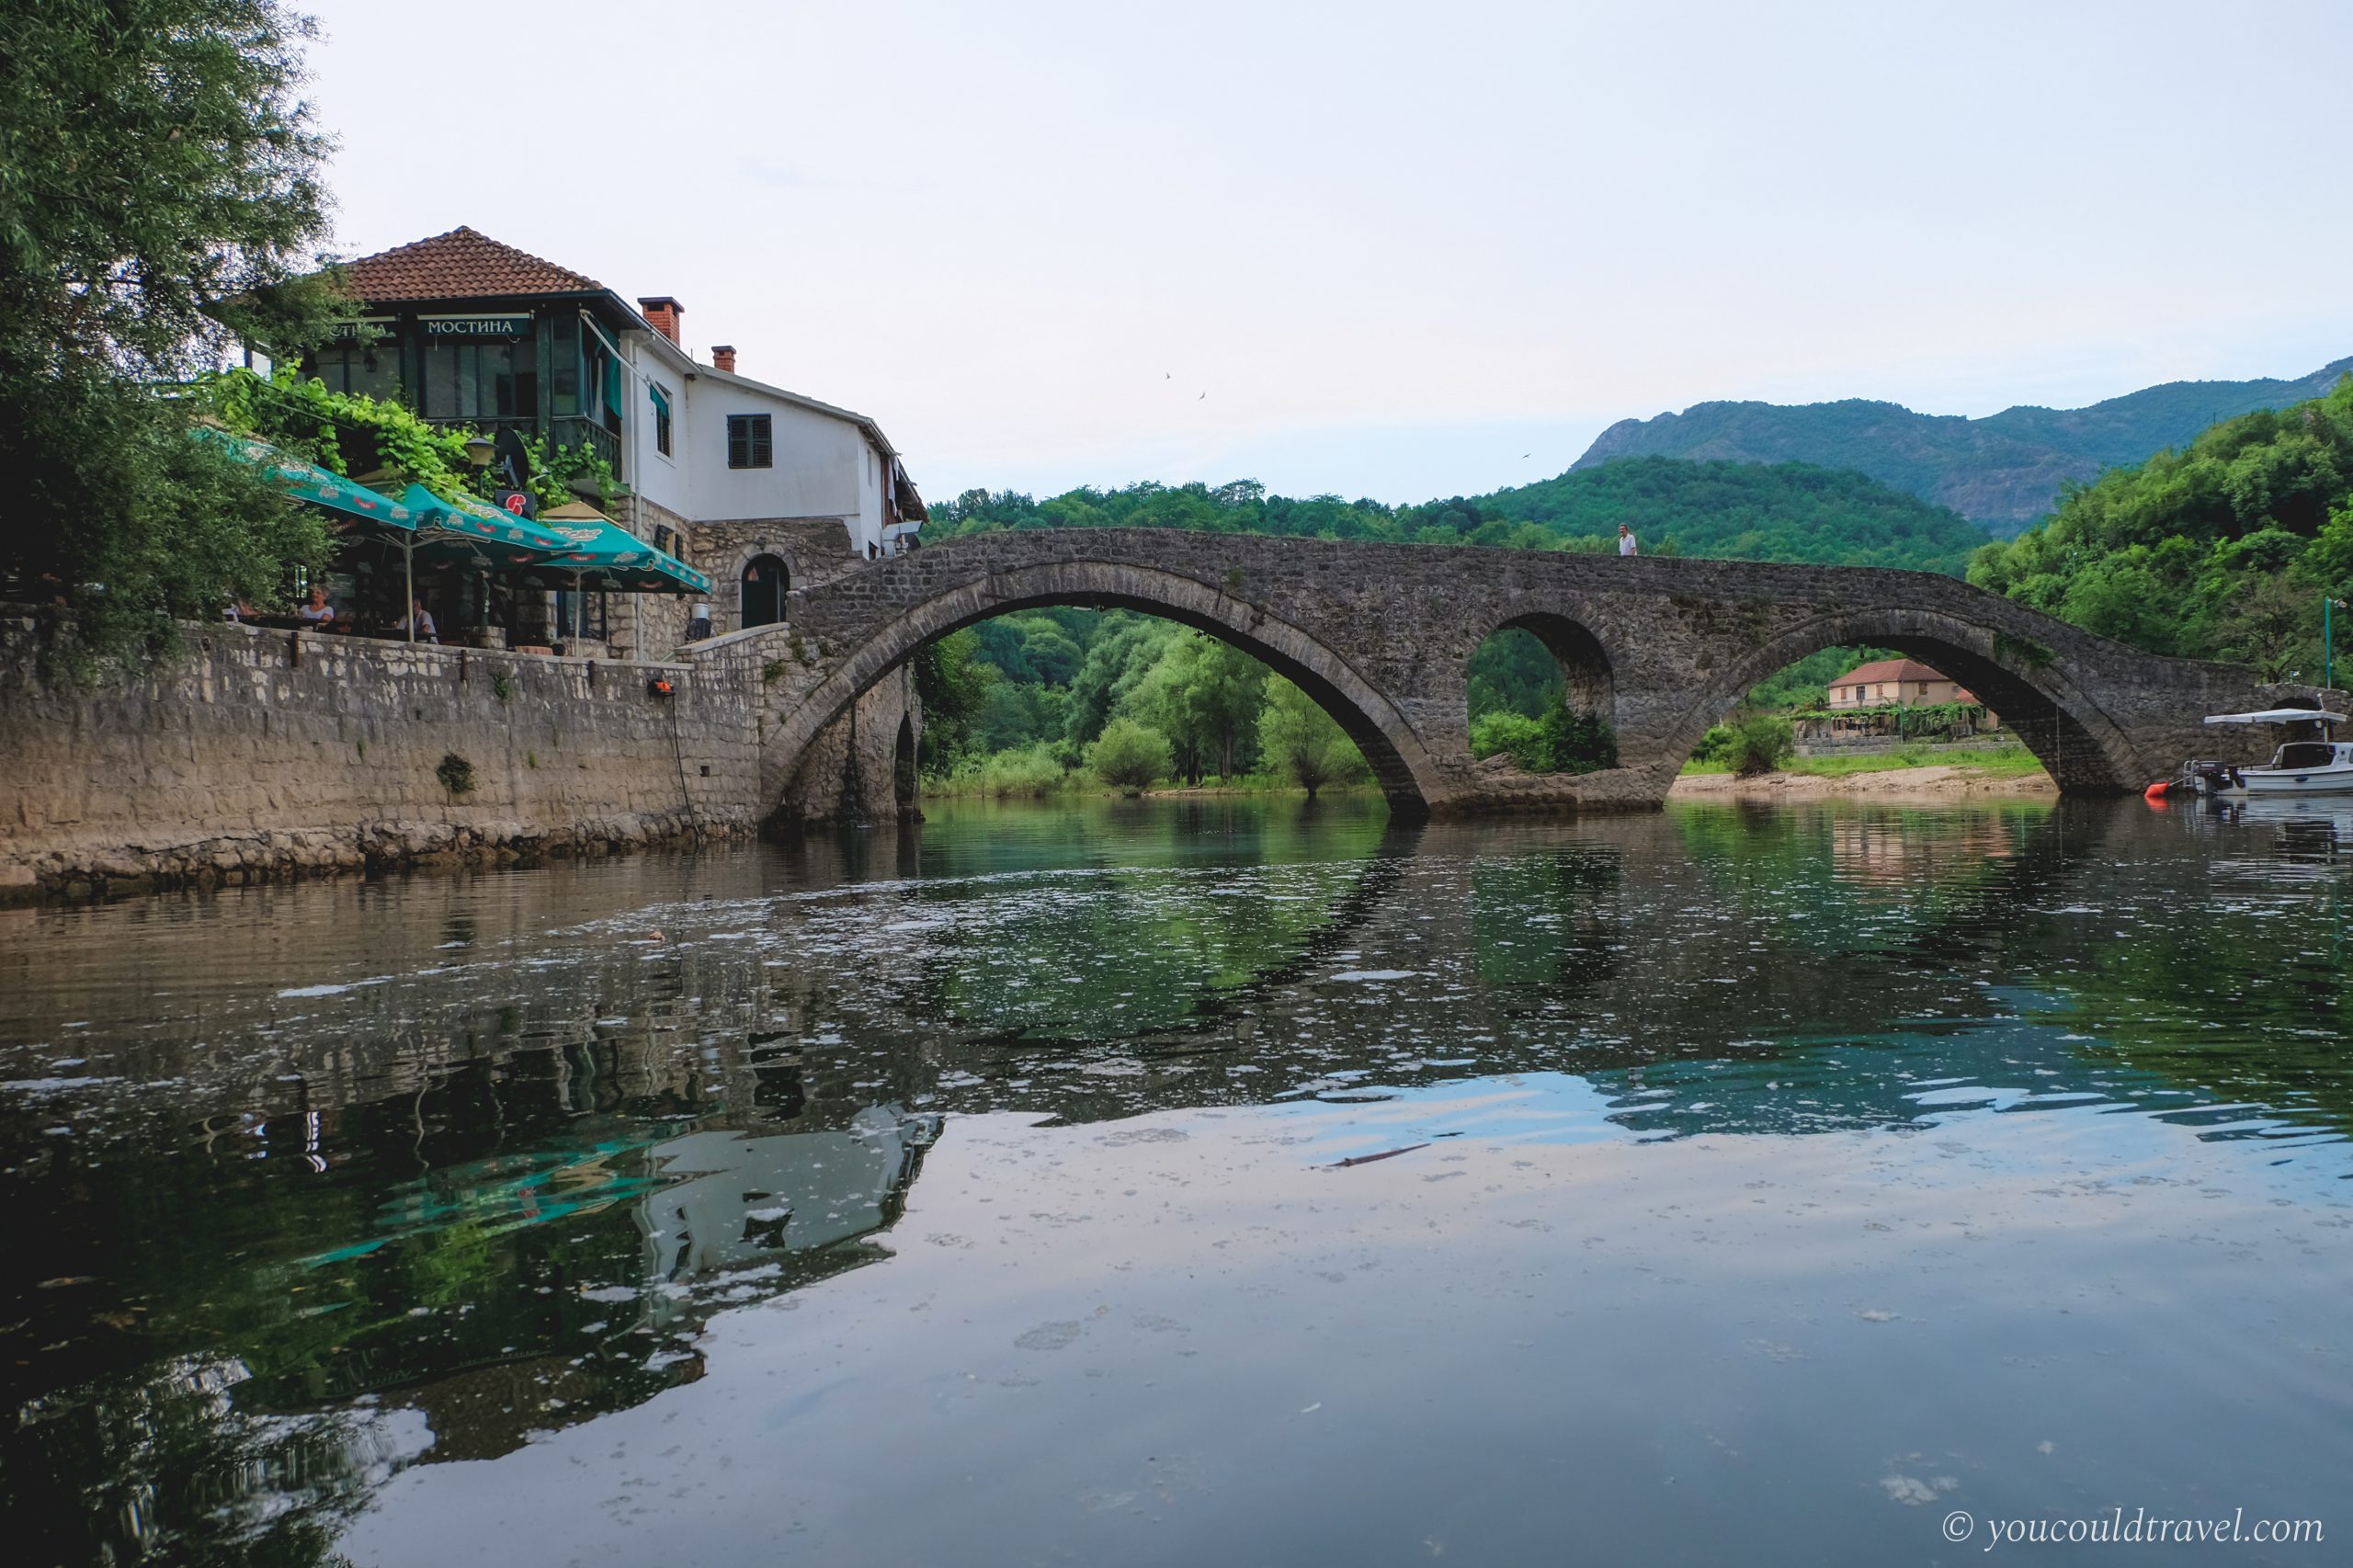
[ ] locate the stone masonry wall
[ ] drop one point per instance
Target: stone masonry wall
(258, 754)
(850, 772)
(813, 550)
(1382, 635)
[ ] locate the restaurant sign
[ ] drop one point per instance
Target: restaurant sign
(361, 329)
(475, 327)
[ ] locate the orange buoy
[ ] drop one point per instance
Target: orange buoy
(2155, 793)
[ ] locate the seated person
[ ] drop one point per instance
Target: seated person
(425, 631)
(317, 614)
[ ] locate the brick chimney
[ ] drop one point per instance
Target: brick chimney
(662, 312)
(723, 357)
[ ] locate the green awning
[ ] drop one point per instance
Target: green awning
(307, 482)
(596, 546)
(500, 534)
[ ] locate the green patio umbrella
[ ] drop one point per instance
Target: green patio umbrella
(596, 546)
(352, 503)
(499, 536)
(307, 482)
(595, 543)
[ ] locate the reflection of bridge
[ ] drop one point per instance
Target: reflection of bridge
(1380, 634)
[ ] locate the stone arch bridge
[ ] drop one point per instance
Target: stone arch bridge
(1381, 634)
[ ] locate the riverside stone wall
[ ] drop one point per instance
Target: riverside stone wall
(254, 755)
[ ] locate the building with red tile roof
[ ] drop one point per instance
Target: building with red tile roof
(1885, 683)
(763, 488)
(462, 264)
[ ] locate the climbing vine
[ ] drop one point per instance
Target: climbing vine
(361, 436)
(347, 432)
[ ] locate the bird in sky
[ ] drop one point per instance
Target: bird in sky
(1525, 456)
(1198, 398)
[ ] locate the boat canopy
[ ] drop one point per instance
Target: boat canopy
(2279, 716)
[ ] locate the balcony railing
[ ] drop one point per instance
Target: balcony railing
(578, 430)
(564, 430)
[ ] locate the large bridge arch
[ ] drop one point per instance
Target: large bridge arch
(2082, 747)
(1396, 755)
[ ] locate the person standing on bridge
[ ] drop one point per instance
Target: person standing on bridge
(1625, 540)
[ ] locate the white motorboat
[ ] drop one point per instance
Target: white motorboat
(2303, 766)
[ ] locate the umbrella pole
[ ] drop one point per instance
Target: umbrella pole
(408, 586)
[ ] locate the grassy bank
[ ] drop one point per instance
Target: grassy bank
(2001, 761)
(1006, 783)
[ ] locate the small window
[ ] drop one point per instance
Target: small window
(749, 443)
(661, 418)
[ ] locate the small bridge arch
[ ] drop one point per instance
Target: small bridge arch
(1587, 669)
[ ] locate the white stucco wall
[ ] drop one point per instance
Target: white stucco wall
(825, 466)
(664, 481)
(816, 459)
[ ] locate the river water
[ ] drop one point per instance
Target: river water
(1196, 1182)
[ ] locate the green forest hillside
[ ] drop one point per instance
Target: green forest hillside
(1780, 512)
(1750, 511)
(2004, 470)
(2222, 550)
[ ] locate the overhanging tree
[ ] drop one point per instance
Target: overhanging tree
(159, 191)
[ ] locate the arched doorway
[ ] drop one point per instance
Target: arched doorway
(765, 584)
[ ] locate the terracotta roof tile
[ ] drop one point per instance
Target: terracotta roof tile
(1887, 670)
(462, 264)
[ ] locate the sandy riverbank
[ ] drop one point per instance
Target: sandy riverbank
(1940, 781)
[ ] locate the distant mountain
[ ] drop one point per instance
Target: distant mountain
(2003, 472)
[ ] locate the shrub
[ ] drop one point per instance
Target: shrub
(1715, 745)
(1760, 742)
(1298, 739)
(457, 775)
(1579, 743)
(1515, 734)
(1129, 756)
(1020, 770)
(1562, 741)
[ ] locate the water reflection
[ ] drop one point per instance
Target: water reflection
(317, 1183)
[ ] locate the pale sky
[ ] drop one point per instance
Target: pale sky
(1372, 249)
